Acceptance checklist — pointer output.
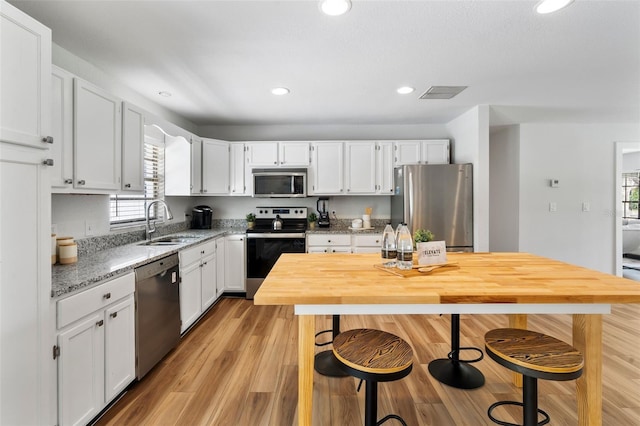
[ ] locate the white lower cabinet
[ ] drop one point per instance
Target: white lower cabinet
(96, 344)
(329, 243)
(235, 264)
(343, 243)
(221, 257)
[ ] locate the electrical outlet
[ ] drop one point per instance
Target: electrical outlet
(89, 228)
(553, 207)
(586, 207)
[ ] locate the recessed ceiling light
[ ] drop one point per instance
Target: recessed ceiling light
(405, 90)
(279, 91)
(335, 7)
(550, 6)
(164, 94)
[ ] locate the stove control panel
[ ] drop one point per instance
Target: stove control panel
(283, 212)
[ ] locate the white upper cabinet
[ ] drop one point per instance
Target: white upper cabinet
(97, 138)
(132, 148)
(62, 129)
(277, 154)
(177, 165)
(293, 154)
(434, 151)
(215, 167)
(384, 168)
(237, 182)
(25, 81)
(196, 165)
(326, 174)
(360, 167)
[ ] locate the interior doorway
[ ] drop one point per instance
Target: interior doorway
(627, 161)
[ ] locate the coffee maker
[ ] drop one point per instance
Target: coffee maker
(323, 213)
(201, 217)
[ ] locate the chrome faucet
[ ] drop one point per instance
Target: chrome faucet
(151, 227)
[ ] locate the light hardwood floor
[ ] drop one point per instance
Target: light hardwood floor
(238, 366)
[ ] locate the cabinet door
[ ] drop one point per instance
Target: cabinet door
(177, 165)
(62, 129)
(294, 154)
(235, 263)
(435, 151)
(209, 279)
(360, 167)
(190, 295)
(215, 167)
(384, 168)
(120, 347)
(97, 138)
(262, 154)
(327, 168)
(25, 83)
(220, 266)
(237, 184)
(196, 165)
(132, 148)
(25, 277)
(406, 152)
(81, 371)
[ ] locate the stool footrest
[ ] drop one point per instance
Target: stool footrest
(320, 333)
(544, 421)
(389, 417)
(452, 354)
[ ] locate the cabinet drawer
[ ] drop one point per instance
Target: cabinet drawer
(329, 240)
(77, 306)
(370, 240)
(194, 254)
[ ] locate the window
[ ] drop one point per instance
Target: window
(129, 209)
(630, 195)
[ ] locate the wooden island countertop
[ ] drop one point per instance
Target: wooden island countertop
(510, 283)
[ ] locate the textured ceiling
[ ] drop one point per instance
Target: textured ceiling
(220, 59)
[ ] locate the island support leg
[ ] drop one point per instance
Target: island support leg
(587, 338)
(306, 345)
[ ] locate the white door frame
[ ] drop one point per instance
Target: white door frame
(621, 147)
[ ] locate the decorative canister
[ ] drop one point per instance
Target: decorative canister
(54, 254)
(62, 240)
(67, 252)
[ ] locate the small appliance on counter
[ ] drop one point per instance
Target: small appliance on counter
(323, 213)
(201, 217)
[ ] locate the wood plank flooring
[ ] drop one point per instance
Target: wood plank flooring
(238, 366)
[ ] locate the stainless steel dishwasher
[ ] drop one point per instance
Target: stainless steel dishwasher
(157, 312)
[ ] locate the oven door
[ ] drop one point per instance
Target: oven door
(263, 250)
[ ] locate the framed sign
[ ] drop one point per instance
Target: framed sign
(431, 253)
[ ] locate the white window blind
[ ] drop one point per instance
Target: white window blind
(128, 209)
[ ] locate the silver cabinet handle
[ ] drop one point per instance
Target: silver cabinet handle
(100, 323)
(127, 185)
(275, 162)
(113, 315)
(68, 181)
(81, 182)
(107, 296)
(48, 162)
(47, 139)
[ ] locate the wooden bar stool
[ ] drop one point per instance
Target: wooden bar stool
(373, 356)
(535, 356)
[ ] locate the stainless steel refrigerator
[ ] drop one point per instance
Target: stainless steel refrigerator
(437, 197)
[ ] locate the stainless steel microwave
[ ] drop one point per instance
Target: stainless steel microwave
(279, 183)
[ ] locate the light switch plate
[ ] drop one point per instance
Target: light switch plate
(553, 207)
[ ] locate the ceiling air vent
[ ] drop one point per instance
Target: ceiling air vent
(442, 92)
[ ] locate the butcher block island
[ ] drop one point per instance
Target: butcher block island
(479, 283)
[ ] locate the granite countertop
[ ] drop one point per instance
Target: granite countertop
(108, 263)
(340, 229)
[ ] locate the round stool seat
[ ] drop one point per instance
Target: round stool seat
(373, 354)
(534, 354)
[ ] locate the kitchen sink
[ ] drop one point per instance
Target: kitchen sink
(168, 241)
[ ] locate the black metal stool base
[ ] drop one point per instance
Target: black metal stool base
(327, 364)
(456, 374)
(542, 422)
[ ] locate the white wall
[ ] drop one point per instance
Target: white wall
(582, 157)
(290, 132)
(470, 134)
(504, 191)
(631, 162)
